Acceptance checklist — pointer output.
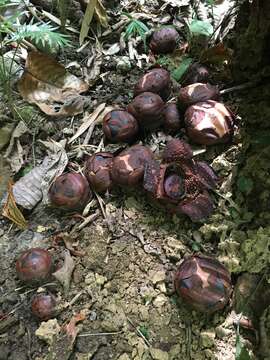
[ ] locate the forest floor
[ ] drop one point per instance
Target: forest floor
(125, 259)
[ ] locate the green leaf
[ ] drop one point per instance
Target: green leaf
(199, 27)
(241, 352)
(143, 329)
(245, 184)
(39, 33)
(182, 68)
(141, 25)
(87, 19)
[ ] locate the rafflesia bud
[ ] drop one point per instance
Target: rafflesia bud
(34, 265)
(164, 40)
(156, 81)
(176, 151)
(147, 108)
(172, 121)
(203, 283)
(97, 171)
(209, 123)
(198, 92)
(70, 191)
(120, 126)
(196, 73)
(43, 306)
(128, 166)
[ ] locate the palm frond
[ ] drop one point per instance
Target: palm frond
(39, 33)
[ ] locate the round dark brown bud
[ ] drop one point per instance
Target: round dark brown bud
(128, 166)
(70, 191)
(164, 40)
(34, 266)
(196, 73)
(176, 151)
(203, 283)
(209, 123)
(147, 108)
(172, 120)
(97, 171)
(43, 306)
(198, 92)
(174, 186)
(120, 126)
(156, 81)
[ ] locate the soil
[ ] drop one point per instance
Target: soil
(123, 282)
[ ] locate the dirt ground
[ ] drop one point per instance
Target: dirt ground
(123, 282)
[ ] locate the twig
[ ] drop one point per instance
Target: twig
(86, 221)
(138, 331)
(244, 86)
(101, 334)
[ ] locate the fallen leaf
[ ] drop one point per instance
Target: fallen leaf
(91, 72)
(71, 329)
(217, 54)
(50, 86)
(100, 13)
(11, 210)
(87, 19)
(33, 187)
(87, 121)
(63, 275)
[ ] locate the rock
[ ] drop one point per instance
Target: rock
(100, 280)
(48, 330)
(124, 357)
(157, 276)
(221, 332)
(160, 300)
(208, 338)
(158, 354)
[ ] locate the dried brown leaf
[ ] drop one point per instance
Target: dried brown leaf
(50, 86)
(11, 210)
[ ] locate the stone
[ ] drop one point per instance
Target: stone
(47, 330)
(124, 357)
(208, 338)
(158, 354)
(157, 276)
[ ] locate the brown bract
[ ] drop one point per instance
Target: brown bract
(203, 283)
(172, 121)
(156, 81)
(70, 191)
(196, 73)
(43, 306)
(147, 108)
(197, 92)
(164, 40)
(120, 126)
(97, 171)
(34, 265)
(128, 166)
(209, 122)
(176, 151)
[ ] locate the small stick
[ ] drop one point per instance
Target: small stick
(100, 334)
(244, 86)
(138, 331)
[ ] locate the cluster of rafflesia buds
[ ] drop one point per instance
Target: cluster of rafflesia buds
(34, 267)
(177, 183)
(205, 120)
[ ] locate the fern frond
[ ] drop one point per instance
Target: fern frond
(39, 33)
